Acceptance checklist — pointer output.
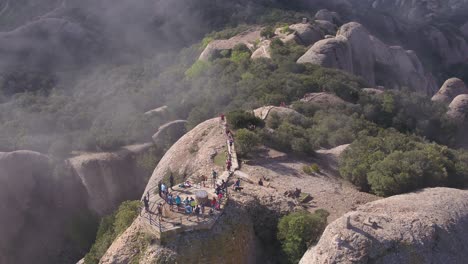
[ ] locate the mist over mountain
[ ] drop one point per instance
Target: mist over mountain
(86, 84)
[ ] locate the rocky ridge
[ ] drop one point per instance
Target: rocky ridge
(432, 228)
(356, 51)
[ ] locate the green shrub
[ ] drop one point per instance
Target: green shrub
(314, 168)
(246, 141)
(286, 30)
(267, 32)
(392, 163)
(297, 231)
(307, 169)
(240, 53)
(197, 69)
(242, 119)
(110, 228)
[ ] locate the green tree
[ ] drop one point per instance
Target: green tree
(267, 32)
(297, 231)
(246, 141)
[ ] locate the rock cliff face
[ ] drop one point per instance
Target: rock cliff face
(331, 53)
(356, 51)
(432, 228)
(36, 206)
(111, 178)
(42, 201)
(231, 240)
(417, 25)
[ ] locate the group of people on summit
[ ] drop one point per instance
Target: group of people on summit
(189, 205)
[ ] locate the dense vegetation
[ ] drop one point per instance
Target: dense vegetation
(110, 227)
(298, 230)
(392, 163)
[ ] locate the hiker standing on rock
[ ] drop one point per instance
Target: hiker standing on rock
(160, 211)
(159, 188)
(146, 203)
(171, 181)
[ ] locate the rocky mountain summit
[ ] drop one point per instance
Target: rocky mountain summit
(356, 51)
(429, 226)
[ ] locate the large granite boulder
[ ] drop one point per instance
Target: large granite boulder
(449, 90)
(458, 108)
(308, 34)
(248, 38)
(330, 53)
(332, 17)
(430, 226)
(361, 49)
(358, 52)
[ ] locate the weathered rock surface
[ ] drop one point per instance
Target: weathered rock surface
(174, 129)
(263, 51)
(231, 240)
(267, 111)
(112, 177)
(458, 108)
(330, 53)
(449, 90)
(36, 208)
(451, 48)
(361, 50)
(323, 99)
(326, 26)
(432, 228)
(307, 33)
(326, 15)
(248, 38)
(356, 51)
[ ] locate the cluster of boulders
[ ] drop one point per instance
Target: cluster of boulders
(350, 48)
(454, 93)
(356, 51)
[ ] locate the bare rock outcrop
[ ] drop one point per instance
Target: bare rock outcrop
(330, 53)
(112, 177)
(449, 90)
(248, 38)
(190, 155)
(327, 27)
(307, 33)
(330, 16)
(360, 42)
(432, 228)
(458, 108)
(356, 51)
(174, 129)
(36, 207)
(452, 48)
(263, 50)
(323, 99)
(266, 112)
